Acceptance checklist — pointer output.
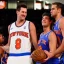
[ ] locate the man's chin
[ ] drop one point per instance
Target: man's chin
(22, 19)
(45, 26)
(52, 16)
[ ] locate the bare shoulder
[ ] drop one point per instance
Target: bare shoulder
(61, 22)
(32, 26)
(62, 19)
(8, 26)
(52, 35)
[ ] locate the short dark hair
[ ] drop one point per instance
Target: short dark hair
(47, 14)
(58, 4)
(21, 5)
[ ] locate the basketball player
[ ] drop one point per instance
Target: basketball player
(56, 12)
(20, 34)
(48, 38)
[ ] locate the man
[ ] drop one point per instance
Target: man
(48, 38)
(56, 12)
(20, 34)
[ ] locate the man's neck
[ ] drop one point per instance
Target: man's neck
(58, 17)
(46, 29)
(20, 22)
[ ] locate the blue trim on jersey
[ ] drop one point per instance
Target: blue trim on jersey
(20, 54)
(44, 40)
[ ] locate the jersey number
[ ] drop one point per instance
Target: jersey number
(18, 43)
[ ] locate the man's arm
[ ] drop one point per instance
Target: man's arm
(33, 35)
(61, 48)
(6, 47)
(52, 42)
(52, 46)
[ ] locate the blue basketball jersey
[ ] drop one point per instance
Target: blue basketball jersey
(57, 30)
(44, 43)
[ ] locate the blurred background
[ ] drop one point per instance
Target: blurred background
(35, 10)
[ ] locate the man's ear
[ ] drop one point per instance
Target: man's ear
(59, 10)
(16, 12)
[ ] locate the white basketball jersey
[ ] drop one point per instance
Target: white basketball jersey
(20, 46)
(20, 38)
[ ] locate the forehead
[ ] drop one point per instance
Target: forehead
(47, 17)
(54, 6)
(23, 9)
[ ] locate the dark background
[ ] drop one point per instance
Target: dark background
(7, 16)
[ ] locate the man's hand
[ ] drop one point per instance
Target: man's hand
(5, 48)
(49, 55)
(38, 54)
